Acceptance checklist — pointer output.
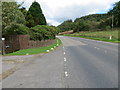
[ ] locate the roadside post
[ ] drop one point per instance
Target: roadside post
(112, 26)
(3, 46)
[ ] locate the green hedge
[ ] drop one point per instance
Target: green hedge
(42, 32)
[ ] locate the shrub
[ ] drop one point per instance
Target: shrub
(16, 29)
(42, 32)
(107, 28)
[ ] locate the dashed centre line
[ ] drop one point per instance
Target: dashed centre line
(98, 48)
(66, 74)
(65, 59)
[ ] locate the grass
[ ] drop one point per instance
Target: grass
(98, 35)
(35, 50)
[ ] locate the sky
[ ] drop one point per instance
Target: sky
(57, 11)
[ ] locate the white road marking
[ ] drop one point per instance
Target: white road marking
(47, 50)
(65, 59)
(63, 47)
(98, 48)
(64, 53)
(52, 48)
(27, 53)
(66, 74)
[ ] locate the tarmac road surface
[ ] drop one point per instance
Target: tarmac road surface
(78, 63)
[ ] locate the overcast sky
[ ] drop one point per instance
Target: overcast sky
(57, 11)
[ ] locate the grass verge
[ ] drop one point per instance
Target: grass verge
(95, 38)
(36, 50)
(98, 35)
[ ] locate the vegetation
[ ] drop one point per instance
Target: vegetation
(24, 11)
(85, 23)
(35, 16)
(65, 26)
(116, 12)
(16, 29)
(96, 26)
(42, 32)
(36, 50)
(99, 35)
(18, 21)
(94, 22)
(11, 15)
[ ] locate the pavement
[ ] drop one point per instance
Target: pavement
(79, 63)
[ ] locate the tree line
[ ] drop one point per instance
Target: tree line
(19, 21)
(93, 22)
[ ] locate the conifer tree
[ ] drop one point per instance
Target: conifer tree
(36, 14)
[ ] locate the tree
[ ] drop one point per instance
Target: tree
(66, 26)
(11, 14)
(116, 12)
(81, 26)
(29, 20)
(23, 10)
(35, 14)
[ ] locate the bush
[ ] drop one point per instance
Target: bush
(16, 29)
(42, 32)
(107, 28)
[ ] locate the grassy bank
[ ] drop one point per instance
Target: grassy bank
(36, 50)
(98, 35)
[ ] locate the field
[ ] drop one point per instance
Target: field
(99, 35)
(36, 50)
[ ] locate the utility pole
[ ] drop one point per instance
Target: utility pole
(112, 22)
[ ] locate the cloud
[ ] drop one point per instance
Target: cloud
(57, 11)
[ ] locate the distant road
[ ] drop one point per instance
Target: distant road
(79, 63)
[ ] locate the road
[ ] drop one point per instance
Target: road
(79, 63)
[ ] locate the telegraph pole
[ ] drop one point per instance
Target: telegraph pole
(112, 22)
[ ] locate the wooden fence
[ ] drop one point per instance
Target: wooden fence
(14, 43)
(36, 44)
